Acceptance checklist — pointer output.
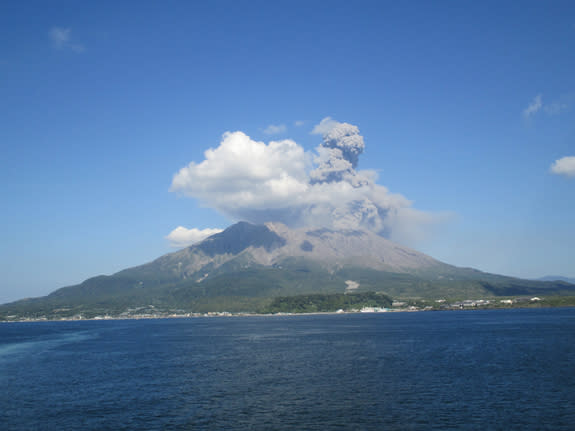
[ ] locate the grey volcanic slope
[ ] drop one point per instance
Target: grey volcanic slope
(336, 248)
(239, 237)
(239, 267)
(244, 245)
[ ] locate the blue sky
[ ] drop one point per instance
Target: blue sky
(463, 108)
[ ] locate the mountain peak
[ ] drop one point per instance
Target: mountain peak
(240, 236)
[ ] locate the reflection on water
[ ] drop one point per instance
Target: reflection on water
(38, 345)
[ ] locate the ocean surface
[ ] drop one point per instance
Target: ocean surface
(491, 369)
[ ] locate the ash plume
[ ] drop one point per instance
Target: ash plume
(338, 154)
(279, 182)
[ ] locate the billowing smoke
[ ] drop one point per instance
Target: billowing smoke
(249, 180)
(338, 154)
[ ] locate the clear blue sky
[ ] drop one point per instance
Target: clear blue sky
(464, 106)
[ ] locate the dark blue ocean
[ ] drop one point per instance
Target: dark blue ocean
(493, 369)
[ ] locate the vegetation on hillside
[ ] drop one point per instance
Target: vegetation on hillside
(327, 302)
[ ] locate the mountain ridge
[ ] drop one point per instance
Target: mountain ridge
(557, 278)
(246, 265)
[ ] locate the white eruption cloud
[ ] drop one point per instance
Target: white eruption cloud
(324, 126)
(257, 182)
(274, 129)
(182, 237)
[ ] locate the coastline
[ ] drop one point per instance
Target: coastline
(193, 315)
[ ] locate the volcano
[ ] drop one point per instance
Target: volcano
(242, 267)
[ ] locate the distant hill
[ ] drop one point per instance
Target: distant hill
(557, 278)
(244, 267)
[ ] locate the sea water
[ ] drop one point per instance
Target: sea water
(492, 369)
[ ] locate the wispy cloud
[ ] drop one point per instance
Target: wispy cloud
(299, 123)
(324, 126)
(555, 107)
(61, 40)
(534, 107)
(183, 237)
(273, 129)
(564, 166)
(561, 104)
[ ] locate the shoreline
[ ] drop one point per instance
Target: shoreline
(225, 314)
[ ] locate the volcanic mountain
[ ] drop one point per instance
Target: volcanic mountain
(246, 265)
